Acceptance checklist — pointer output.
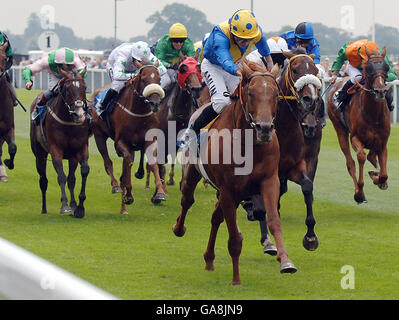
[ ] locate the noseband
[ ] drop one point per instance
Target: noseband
(77, 103)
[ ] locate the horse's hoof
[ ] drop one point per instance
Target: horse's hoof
(79, 213)
(288, 267)
(128, 200)
(236, 283)
(116, 189)
(9, 164)
(124, 212)
(65, 210)
(310, 243)
(3, 179)
(170, 183)
(139, 175)
(158, 198)
(270, 249)
(383, 186)
(360, 199)
(179, 232)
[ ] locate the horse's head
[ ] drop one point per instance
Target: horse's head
(189, 77)
(376, 72)
(3, 56)
(259, 98)
(73, 94)
(147, 85)
(300, 80)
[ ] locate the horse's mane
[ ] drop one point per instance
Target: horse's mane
(249, 67)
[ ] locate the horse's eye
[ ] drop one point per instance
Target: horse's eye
(369, 69)
(294, 71)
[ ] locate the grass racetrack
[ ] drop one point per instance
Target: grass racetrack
(137, 256)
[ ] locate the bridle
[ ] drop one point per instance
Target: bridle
(137, 78)
(370, 78)
(247, 114)
(292, 87)
(76, 103)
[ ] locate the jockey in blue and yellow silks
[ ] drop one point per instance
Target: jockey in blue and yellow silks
(228, 42)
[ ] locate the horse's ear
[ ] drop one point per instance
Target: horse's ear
(137, 64)
(196, 55)
(245, 68)
(288, 54)
(384, 51)
(183, 68)
(367, 51)
(275, 70)
(198, 67)
(156, 64)
(64, 73)
(4, 46)
(313, 56)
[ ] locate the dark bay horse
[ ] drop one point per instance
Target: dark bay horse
(299, 134)
(253, 112)
(127, 125)
(7, 129)
(366, 124)
(65, 135)
(177, 115)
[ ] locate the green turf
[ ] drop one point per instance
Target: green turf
(138, 257)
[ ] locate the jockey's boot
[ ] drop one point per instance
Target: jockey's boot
(207, 115)
(389, 97)
(342, 97)
(46, 96)
(100, 108)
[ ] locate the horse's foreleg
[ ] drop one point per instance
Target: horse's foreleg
(209, 255)
(101, 142)
(3, 173)
(358, 147)
(190, 179)
(12, 149)
(140, 171)
(62, 180)
(270, 191)
(159, 194)
(147, 181)
(162, 174)
(84, 171)
(229, 208)
(171, 181)
(41, 164)
(71, 180)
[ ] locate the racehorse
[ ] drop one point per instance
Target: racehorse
(253, 111)
(299, 134)
(7, 131)
(127, 125)
(188, 89)
(65, 135)
(366, 123)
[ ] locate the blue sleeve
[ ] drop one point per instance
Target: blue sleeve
(263, 47)
(316, 51)
(222, 53)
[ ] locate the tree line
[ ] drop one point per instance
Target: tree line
(331, 39)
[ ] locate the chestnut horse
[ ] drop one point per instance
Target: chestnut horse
(366, 123)
(299, 134)
(7, 129)
(253, 111)
(178, 115)
(133, 117)
(65, 135)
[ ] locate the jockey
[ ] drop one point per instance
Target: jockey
(170, 45)
(168, 50)
(122, 66)
(9, 61)
(355, 53)
(63, 58)
(226, 45)
(277, 46)
(303, 36)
